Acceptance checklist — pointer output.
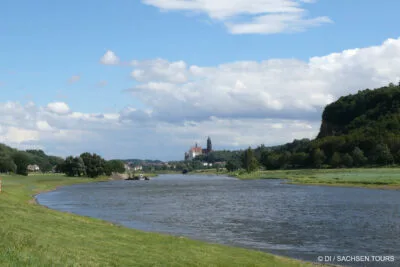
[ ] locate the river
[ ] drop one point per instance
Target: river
(298, 221)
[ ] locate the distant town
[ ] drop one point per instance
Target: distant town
(195, 151)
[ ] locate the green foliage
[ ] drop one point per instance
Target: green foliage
(21, 160)
(232, 165)
(114, 166)
(382, 155)
(7, 163)
(318, 157)
(336, 160)
(249, 161)
(94, 164)
(347, 160)
(358, 157)
(74, 166)
(299, 159)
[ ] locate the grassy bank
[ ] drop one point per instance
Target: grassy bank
(32, 235)
(387, 178)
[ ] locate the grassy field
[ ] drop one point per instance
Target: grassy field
(385, 178)
(374, 178)
(32, 235)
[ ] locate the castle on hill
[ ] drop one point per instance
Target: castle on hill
(196, 150)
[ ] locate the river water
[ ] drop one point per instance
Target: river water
(298, 221)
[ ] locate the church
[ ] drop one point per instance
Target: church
(196, 150)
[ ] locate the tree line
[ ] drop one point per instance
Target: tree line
(87, 164)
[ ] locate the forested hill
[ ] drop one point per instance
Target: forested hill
(372, 112)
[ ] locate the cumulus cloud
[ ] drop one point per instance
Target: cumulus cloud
(58, 108)
(276, 88)
(160, 70)
(109, 58)
(249, 16)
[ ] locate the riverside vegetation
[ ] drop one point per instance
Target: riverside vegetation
(32, 235)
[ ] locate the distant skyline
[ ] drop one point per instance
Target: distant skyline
(150, 78)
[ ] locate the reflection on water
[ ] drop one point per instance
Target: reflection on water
(298, 221)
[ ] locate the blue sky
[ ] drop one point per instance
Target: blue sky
(51, 51)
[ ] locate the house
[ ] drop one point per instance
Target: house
(137, 168)
(33, 168)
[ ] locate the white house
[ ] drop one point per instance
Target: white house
(137, 168)
(33, 168)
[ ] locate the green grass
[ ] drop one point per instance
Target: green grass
(32, 235)
(374, 178)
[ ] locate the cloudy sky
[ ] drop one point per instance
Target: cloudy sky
(149, 78)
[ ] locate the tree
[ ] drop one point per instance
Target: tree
(78, 166)
(347, 160)
(21, 160)
(73, 166)
(232, 165)
(284, 159)
(318, 157)
(94, 164)
(358, 157)
(336, 160)
(249, 161)
(114, 166)
(382, 155)
(299, 159)
(7, 163)
(270, 160)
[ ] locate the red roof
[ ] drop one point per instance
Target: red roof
(196, 149)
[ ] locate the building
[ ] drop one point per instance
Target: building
(193, 152)
(197, 151)
(33, 168)
(137, 168)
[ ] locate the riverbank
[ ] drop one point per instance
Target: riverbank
(381, 178)
(33, 235)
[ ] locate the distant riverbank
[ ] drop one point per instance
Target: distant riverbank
(33, 235)
(381, 178)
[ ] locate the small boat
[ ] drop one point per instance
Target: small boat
(184, 171)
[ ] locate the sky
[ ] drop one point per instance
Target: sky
(149, 78)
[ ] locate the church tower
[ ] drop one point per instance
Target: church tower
(209, 145)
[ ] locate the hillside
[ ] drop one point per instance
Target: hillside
(357, 130)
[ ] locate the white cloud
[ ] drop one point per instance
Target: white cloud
(160, 70)
(109, 58)
(43, 126)
(249, 16)
(19, 135)
(58, 108)
(276, 88)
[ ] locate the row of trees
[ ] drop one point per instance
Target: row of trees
(12, 160)
(314, 158)
(91, 165)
